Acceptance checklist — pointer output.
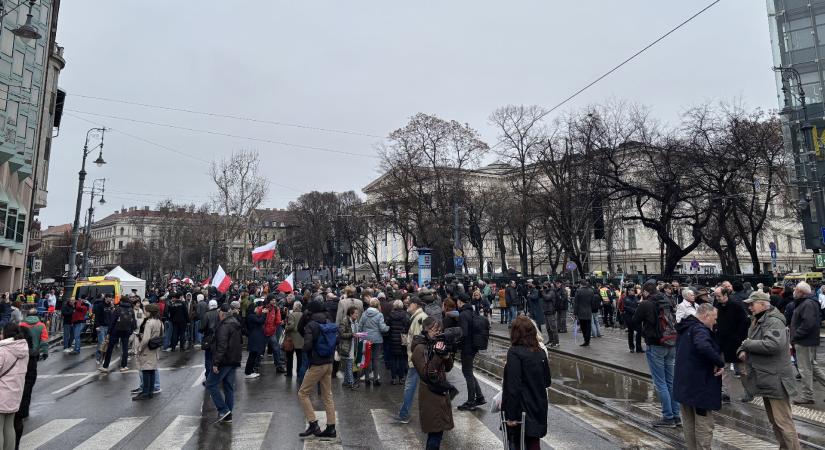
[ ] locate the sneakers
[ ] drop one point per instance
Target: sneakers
(677, 421)
(311, 430)
(227, 419)
(725, 398)
(103, 370)
(157, 391)
(124, 369)
(329, 432)
(400, 419)
(67, 350)
(480, 401)
(167, 350)
(252, 376)
(467, 406)
(223, 416)
(665, 423)
(137, 391)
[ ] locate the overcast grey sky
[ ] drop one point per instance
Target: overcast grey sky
(366, 67)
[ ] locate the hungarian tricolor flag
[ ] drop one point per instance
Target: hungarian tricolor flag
(221, 280)
(265, 252)
(287, 285)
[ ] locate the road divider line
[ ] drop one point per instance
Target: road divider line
(113, 433)
(73, 384)
(177, 434)
(394, 435)
(251, 433)
(47, 432)
(201, 379)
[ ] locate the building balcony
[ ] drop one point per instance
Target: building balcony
(40, 198)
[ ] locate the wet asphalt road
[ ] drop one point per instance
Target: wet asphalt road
(75, 406)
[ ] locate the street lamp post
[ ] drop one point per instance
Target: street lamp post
(90, 218)
(788, 74)
(70, 278)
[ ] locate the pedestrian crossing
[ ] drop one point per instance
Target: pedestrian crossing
(249, 432)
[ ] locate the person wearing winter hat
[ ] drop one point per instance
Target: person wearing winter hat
(209, 323)
(201, 308)
(319, 372)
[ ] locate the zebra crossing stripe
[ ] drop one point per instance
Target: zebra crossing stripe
(177, 434)
(480, 437)
(392, 434)
(47, 432)
(251, 432)
(113, 433)
(318, 444)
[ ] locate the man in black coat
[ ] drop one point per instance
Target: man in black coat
(513, 301)
(226, 359)
(583, 310)
(179, 316)
(548, 306)
(732, 328)
(534, 304)
(805, 339)
(465, 320)
(561, 306)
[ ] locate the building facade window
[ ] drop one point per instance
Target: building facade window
(11, 224)
(631, 238)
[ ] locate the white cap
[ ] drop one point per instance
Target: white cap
(213, 304)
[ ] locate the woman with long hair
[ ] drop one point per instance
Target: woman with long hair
(147, 358)
(524, 390)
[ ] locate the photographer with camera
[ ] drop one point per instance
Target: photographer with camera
(432, 359)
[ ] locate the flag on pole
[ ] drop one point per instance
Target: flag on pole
(221, 280)
(287, 285)
(266, 251)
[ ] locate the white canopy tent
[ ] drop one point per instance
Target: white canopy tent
(128, 281)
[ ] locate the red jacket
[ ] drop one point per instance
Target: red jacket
(80, 310)
(272, 321)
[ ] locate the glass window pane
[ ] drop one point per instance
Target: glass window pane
(38, 55)
(11, 224)
(18, 62)
(4, 94)
(801, 39)
(30, 138)
(803, 22)
(21, 228)
(27, 79)
(11, 112)
(6, 41)
(22, 124)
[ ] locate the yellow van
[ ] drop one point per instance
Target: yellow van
(811, 278)
(93, 286)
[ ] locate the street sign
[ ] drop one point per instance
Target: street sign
(820, 260)
(458, 261)
(571, 266)
(37, 265)
(424, 266)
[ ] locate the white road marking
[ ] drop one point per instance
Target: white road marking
(113, 433)
(394, 435)
(201, 379)
(177, 434)
(251, 432)
(47, 432)
(76, 383)
(481, 437)
(318, 444)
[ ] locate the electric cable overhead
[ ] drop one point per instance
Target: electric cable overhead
(218, 133)
(228, 116)
(632, 57)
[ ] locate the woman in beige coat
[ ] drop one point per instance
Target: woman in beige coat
(147, 357)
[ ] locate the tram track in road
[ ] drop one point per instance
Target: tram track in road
(734, 430)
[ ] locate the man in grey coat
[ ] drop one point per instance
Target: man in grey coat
(805, 339)
(769, 374)
(583, 310)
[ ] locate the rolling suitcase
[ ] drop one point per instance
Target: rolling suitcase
(505, 438)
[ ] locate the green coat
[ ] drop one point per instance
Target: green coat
(770, 374)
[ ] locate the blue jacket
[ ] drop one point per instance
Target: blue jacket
(697, 356)
(372, 323)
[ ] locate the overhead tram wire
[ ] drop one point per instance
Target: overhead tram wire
(230, 135)
(632, 57)
(228, 116)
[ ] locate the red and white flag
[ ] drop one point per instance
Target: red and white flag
(221, 280)
(266, 251)
(287, 285)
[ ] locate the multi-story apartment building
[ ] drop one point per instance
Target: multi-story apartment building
(28, 85)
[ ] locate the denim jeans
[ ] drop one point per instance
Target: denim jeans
(167, 334)
(511, 316)
(207, 362)
(434, 440)
(661, 360)
(409, 393)
(77, 330)
(594, 329)
(198, 334)
(157, 379)
(123, 338)
(348, 376)
(276, 350)
(67, 335)
(101, 336)
(225, 378)
(504, 313)
(303, 365)
(377, 349)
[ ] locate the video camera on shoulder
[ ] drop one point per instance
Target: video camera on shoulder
(451, 337)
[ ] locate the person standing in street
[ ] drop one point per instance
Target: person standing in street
(466, 315)
(372, 323)
(534, 304)
(697, 381)
(294, 341)
(562, 305)
(513, 301)
(661, 348)
(630, 302)
(583, 310)
(805, 325)
(417, 317)
(66, 311)
(201, 308)
(688, 305)
(501, 294)
(548, 298)
(272, 331)
(149, 331)
(121, 327)
(226, 358)
(432, 362)
(103, 310)
(732, 328)
(179, 317)
(209, 324)
(14, 358)
(78, 322)
(524, 386)
(766, 355)
(320, 356)
(256, 341)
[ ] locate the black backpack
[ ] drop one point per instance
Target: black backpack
(481, 332)
(125, 320)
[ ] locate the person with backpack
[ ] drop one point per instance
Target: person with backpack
(227, 353)
(103, 310)
(209, 324)
(120, 330)
(320, 340)
(372, 323)
(466, 321)
(656, 317)
(629, 305)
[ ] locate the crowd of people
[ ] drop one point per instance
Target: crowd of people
(697, 341)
